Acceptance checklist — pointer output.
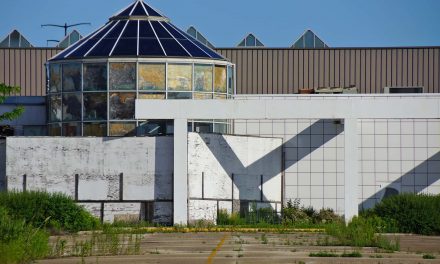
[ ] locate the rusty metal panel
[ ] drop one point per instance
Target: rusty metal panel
(290, 73)
(405, 67)
(260, 73)
(265, 72)
(431, 70)
(410, 67)
(301, 69)
(436, 71)
(306, 83)
(337, 68)
(315, 69)
(426, 69)
(285, 70)
(368, 76)
(254, 75)
(270, 72)
(332, 68)
(275, 72)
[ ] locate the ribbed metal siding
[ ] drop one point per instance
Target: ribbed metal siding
(25, 68)
(277, 71)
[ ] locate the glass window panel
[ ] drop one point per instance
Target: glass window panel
(123, 76)
(72, 107)
(95, 77)
(95, 129)
(151, 96)
(122, 129)
(259, 44)
(55, 108)
(319, 43)
(220, 96)
(122, 105)
(54, 130)
(179, 77)
(179, 95)
(32, 131)
(203, 127)
(71, 77)
(95, 106)
(220, 79)
(71, 129)
(221, 128)
(152, 128)
(242, 43)
(152, 76)
(54, 78)
(203, 78)
(202, 95)
(231, 82)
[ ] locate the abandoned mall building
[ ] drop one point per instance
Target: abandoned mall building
(145, 120)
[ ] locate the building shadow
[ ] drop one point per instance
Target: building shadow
(395, 187)
(234, 162)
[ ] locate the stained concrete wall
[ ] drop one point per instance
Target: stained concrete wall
(51, 164)
(224, 170)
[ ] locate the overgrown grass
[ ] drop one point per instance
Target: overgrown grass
(20, 242)
(362, 232)
(54, 211)
(323, 254)
(428, 256)
(353, 254)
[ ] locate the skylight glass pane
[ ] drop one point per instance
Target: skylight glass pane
(299, 44)
(172, 48)
(192, 31)
(24, 43)
(180, 77)
(259, 44)
(250, 40)
(123, 76)
(150, 11)
(74, 37)
(103, 48)
(139, 11)
(126, 47)
(15, 39)
(151, 76)
(150, 47)
(220, 79)
(5, 43)
(71, 77)
(145, 30)
(203, 78)
(242, 44)
(309, 39)
(319, 43)
(193, 49)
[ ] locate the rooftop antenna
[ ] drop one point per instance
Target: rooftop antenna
(65, 26)
(51, 40)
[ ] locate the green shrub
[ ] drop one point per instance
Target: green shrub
(354, 254)
(20, 242)
(429, 256)
(361, 232)
(294, 214)
(324, 254)
(411, 213)
(55, 211)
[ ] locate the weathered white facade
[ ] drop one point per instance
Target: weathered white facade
(132, 178)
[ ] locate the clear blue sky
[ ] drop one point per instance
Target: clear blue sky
(277, 23)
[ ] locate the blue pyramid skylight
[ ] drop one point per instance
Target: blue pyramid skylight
(138, 31)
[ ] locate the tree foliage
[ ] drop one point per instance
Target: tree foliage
(5, 91)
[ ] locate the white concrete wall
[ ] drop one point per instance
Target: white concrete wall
(51, 164)
(219, 158)
(400, 153)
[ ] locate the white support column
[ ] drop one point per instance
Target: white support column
(180, 195)
(351, 169)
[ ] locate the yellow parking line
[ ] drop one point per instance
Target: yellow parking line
(217, 248)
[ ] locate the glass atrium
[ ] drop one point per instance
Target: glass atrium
(93, 84)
